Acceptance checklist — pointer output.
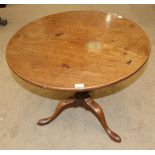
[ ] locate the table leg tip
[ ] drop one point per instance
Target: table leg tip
(116, 138)
(42, 122)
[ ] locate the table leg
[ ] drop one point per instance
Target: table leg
(92, 106)
(82, 99)
(61, 107)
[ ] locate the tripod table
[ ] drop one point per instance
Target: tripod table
(78, 51)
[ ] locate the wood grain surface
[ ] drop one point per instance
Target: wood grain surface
(91, 48)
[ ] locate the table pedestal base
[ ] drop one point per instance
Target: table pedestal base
(82, 99)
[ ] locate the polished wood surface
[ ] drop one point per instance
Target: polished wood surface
(82, 99)
(91, 48)
(78, 51)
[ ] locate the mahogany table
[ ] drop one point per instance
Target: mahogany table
(78, 51)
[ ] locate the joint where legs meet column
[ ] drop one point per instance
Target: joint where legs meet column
(82, 99)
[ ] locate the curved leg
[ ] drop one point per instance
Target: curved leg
(61, 106)
(98, 112)
(82, 99)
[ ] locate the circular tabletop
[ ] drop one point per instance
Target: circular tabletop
(78, 50)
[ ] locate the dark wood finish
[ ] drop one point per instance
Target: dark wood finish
(90, 48)
(82, 99)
